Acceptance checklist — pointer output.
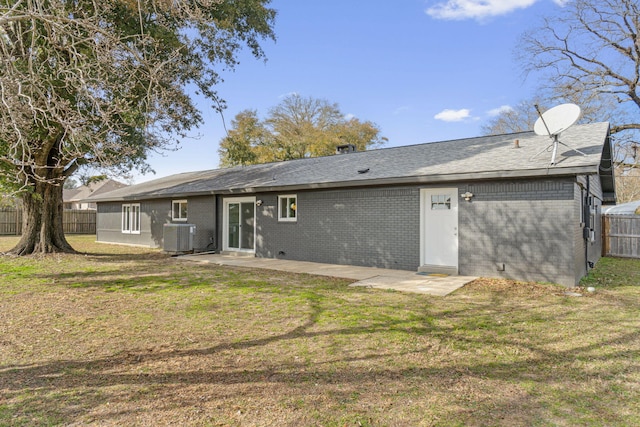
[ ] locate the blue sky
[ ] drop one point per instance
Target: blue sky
(422, 70)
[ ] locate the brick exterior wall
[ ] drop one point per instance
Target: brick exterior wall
(531, 227)
(366, 227)
(527, 226)
(201, 213)
(593, 250)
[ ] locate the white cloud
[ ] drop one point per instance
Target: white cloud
(453, 115)
(285, 95)
(478, 9)
(497, 111)
(349, 116)
(401, 110)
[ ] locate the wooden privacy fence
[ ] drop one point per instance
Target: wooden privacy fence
(73, 221)
(621, 235)
(10, 222)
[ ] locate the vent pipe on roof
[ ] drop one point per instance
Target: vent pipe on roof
(346, 149)
(516, 143)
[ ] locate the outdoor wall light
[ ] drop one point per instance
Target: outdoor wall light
(467, 196)
(259, 202)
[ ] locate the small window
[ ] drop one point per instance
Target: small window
(288, 208)
(179, 210)
(126, 218)
(131, 218)
(440, 202)
(135, 219)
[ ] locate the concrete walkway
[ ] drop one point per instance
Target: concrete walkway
(380, 278)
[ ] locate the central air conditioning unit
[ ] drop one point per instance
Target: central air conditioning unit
(178, 237)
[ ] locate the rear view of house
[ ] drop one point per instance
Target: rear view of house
(487, 206)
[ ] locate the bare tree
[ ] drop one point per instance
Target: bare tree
(523, 115)
(519, 118)
(591, 47)
(588, 54)
(627, 182)
(85, 82)
(590, 51)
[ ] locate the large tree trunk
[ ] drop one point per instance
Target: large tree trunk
(42, 230)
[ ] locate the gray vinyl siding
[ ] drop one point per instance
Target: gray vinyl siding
(153, 215)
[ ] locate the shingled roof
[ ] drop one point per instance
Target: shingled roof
(487, 157)
(93, 188)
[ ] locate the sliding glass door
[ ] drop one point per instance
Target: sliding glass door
(240, 224)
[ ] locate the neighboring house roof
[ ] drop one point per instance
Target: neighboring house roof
(93, 189)
(631, 208)
(487, 157)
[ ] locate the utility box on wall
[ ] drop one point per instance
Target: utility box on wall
(178, 237)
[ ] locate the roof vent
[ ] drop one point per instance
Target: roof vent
(346, 149)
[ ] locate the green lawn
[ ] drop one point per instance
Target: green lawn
(128, 336)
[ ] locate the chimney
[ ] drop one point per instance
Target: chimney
(516, 143)
(346, 149)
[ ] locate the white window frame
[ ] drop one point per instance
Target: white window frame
(130, 218)
(126, 219)
(284, 198)
(173, 210)
(135, 218)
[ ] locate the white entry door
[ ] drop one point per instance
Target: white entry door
(439, 229)
(239, 224)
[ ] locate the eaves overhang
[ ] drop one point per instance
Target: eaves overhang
(372, 182)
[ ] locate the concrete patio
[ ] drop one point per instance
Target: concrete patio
(379, 278)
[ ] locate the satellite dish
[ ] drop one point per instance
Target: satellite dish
(553, 122)
(556, 120)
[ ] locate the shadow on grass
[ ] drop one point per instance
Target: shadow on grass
(106, 257)
(151, 275)
(65, 391)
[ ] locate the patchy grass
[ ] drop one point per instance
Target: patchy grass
(128, 336)
(614, 273)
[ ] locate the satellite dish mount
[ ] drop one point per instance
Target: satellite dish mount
(552, 123)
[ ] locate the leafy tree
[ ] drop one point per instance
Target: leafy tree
(101, 83)
(296, 128)
(70, 184)
(241, 143)
(90, 179)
